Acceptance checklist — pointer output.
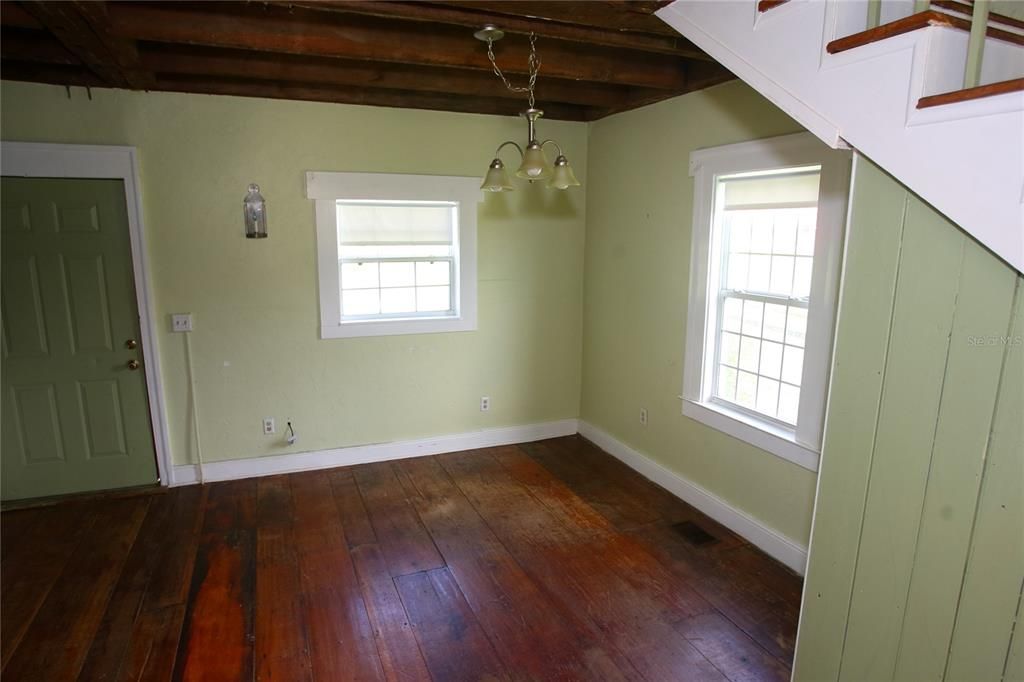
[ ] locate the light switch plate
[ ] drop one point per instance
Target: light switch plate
(181, 322)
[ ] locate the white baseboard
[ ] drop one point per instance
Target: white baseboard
(789, 552)
(378, 452)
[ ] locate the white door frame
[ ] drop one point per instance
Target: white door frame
(38, 160)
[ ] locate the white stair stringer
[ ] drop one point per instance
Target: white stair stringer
(965, 159)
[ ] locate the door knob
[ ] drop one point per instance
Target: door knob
(133, 364)
(131, 343)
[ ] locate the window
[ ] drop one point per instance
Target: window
(396, 253)
(768, 219)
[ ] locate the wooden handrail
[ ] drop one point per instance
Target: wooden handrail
(912, 23)
(765, 5)
(1000, 88)
(965, 7)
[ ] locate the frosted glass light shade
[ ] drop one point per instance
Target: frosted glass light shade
(534, 165)
(563, 177)
(497, 179)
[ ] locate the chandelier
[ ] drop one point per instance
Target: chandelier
(534, 165)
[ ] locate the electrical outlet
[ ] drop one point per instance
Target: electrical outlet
(269, 427)
(181, 322)
(643, 416)
(485, 404)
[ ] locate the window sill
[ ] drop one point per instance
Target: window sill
(763, 435)
(434, 325)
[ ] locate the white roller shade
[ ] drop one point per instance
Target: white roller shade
(367, 224)
(767, 191)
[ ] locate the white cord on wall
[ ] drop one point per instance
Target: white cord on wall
(195, 409)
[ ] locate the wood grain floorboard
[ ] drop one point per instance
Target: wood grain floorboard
(534, 637)
(341, 639)
(217, 639)
(570, 558)
(443, 624)
(545, 561)
(282, 640)
(56, 643)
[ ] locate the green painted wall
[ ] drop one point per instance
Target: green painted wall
(639, 208)
(917, 553)
(256, 343)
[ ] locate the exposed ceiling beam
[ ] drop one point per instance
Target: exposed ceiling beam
(33, 46)
(123, 51)
(66, 23)
(474, 18)
(165, 59)
(366, 96)
(301, 31)
(593, 13)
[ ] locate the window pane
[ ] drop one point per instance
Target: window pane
(360, 302)
(730, 350)
(774, 321)
(732, 313)
(793, 365)
(752, 311)
(397, 301)
(761, 232)
(784, 240)
(789, 403)
(760, 271)
(738, 266)
(767, 396)
(750, 350)
(397, 274)
(739, 233)
(726, 383)
(802, 278)
(796, 327)
(771, 359)
(359, 276)
(432, 273)
(805, 233)
(782, 275)
(746, 389)
(433, 299)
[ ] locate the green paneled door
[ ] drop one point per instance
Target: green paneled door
(75, 415)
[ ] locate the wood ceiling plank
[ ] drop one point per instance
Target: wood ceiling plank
(123, 51)
(168, 59)
(580, 12)
(13, 14)
(66, 24)
(473, 18)
(365, 96)
(33, 46)
(301, 31)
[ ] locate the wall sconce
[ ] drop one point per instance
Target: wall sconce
(254, 209)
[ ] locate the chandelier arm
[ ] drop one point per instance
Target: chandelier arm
(505, 144)
(557, 146)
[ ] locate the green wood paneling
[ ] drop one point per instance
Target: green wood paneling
(872, 256)
(984, 304)
(995, 568)
(916, 554)
(914, 369)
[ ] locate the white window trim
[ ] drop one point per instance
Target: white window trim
(801, 445)
(327, 188)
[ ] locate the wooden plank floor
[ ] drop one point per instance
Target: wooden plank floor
(543, 561)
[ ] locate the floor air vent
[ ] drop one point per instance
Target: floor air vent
(693, 533)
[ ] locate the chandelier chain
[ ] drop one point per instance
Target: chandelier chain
(533, 64)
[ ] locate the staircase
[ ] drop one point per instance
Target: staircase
(894, 91)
